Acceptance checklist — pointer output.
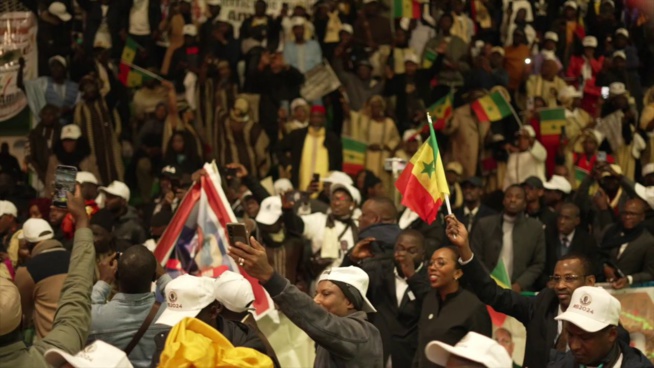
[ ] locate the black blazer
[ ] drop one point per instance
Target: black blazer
(289, 152)
(484, 211)
(398, 325)
(637, 260)
(582, 243)
(535, 313)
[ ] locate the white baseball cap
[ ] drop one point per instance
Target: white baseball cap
(85, 177)
(617, 88)
(529, 130)
(473, 346)
(118, 189)
(190, 30)
(8, 208)
(592, 309)
(572, 4)
(338, 177)
(347, 28)
(411, 57)
(590, 41)
(58, 58)
(270, 210)
(59, 10)
(648, 169)
(234, 291)
(36, 230)
(353, 276)
(622, 31)
(186, 296)
(411, 134)
(558, 182)
(354, 192)
(97, 354)
(552, 36)
(620, 53)
(298, 21)
(282, 185)
(645, 193)
(499, 50)
(70, 131)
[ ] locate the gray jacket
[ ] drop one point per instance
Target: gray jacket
(341, 342)
(128, 227)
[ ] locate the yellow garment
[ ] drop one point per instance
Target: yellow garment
(193, 343)
(548, 90)
(570, 32)
(14, 245)
(334, 26)
(315, 158)
(645, 118)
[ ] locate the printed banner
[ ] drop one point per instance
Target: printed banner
(17, 39)
(195, 242)
(236, 11)
(319, 81)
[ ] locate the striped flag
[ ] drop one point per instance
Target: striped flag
(551, 121)
(354, 155)
(440, 111)
(127, 74)
(422, 183)
(197, 237)
(492, 107)
(503, 280)
(406, 9)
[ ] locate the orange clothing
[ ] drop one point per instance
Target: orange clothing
(514, 63)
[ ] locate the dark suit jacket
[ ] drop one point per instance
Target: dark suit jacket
(535, 313)
(637, 260)
(398, 325)
(484, 211)
(582, 243)
(293, 144)
(528, 247)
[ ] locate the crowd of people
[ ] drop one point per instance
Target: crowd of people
(137, 95)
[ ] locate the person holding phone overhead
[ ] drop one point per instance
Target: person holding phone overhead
(335, 318)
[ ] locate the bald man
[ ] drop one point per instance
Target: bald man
(626, 247)
(378, 225)
(564, 238)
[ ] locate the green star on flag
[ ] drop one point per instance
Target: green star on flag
(428, 168)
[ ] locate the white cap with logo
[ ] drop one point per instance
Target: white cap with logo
(186, 296)
(558, 182)
(338, 177)
(70, 131)
(354, 276)
(234, 291)
(8, 208)
(98, 354)
(473, 346)
(270, 210)
(117, 188)
(85, 177)
(592, 309)
(36, 230)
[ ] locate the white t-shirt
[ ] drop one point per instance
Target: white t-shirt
(138, 18)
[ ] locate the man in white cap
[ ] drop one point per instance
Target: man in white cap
(526, 158)
(331, 235)
(473, 351)
(586, 67)
(284, 250)
(301, 53)
(336, 317)
(99, 354)
(556, 191)
(591, 328)
(193, 296)
(547, 83)
(621, 43)
(648, 174)
(548, 47)
(73, 317)
(127, 224)
(43, 275)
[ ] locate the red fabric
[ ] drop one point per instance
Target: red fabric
(68, 224)
(416, 197)
(318, 109)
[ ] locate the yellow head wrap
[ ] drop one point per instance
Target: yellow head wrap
(193, 343)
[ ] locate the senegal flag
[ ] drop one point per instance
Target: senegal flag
(406, 9)
(440, 111)
(127, 73)
(354, 155)
(422, 183)
(551, 121)
(492, 107)
(503, 280)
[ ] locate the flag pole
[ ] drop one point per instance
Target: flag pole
(144, 71)
(432, 137)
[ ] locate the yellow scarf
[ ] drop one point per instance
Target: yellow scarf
(315, 158)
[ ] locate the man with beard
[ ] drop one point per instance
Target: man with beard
(397, 287)
(127, 225)
(545, 340)
(627, 248)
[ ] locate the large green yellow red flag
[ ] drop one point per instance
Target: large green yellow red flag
(422, 183)
(354, 155)
(128, 74)
(492, 107)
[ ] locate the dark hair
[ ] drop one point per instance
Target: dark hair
(588, 268)
(351, 293)
(453, 249)
(415, 234)
(518, 186)
(387, 209)
(136, 269)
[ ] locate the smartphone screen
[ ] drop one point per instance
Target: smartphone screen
(604, 92)
(601, 156)
(64, 183)
(237, 233)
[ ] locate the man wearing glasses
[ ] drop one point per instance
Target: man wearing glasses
(544, 338)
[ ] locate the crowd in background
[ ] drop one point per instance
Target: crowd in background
(531, 202)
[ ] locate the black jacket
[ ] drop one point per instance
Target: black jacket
(535, 313)
(484, 211)
(631, 358)
(398, 325)
(237, 333)
(581, 243)
(385, 236)
(289, 152)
